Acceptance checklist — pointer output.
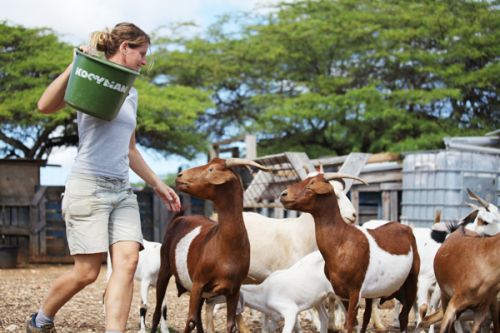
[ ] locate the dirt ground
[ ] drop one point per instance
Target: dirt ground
(22, 290)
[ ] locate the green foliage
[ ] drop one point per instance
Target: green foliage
(31, 58)
(336, 76)
(169, 179)
(321, 76)
(167, 118)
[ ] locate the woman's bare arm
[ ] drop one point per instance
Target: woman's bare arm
(52, 98)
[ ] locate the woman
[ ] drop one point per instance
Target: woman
(99, 208)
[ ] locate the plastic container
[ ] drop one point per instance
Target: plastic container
(98, 87)
(438, 181)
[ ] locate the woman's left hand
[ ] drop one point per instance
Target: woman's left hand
(168, 196)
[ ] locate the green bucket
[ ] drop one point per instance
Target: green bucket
(98, 87)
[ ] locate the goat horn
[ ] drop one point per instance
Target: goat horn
(232, 162)
(473, 195)
(335, 175)
(471, 205)
(321, 170)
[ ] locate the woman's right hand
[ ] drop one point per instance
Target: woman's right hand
(88, 50)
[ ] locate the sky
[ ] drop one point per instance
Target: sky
(74, 20)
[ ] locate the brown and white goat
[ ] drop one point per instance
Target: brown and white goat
(382, 262)
(207, 258)
(467, 269)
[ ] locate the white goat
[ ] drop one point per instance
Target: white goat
(147, 270)
(290, 291)
(487, 221)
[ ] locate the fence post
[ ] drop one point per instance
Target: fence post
(38, 242)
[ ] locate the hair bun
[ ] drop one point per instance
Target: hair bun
(99, 40)
(109, 41)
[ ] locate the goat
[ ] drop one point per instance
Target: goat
(468, 273)
(483, 220)
(382, 262)
(207, 258)
(290, 291)
(147, 273)
(487, 220)
(290, 238)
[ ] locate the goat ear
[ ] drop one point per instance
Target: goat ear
(338, 184)
(481, 222)
(322, 188)
(469, 218)
(341, 184)
(437, 216)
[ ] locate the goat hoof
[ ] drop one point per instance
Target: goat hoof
(191, 325)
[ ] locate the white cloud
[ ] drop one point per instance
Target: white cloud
(74, 20)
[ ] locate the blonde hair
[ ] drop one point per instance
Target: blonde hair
(109, 41)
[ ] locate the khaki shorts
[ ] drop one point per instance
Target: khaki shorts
(99, 211)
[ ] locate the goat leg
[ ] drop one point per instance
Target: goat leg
(242, 327)
(480, 314)
(161, 289)
(377, 321)
(145, 283)
(323, 317)
(194, 308)
(494, 315)
(142, 313)
(407, 294)
(232, 304)
(199, 324)
(290, 317)
(449, 316)
(163, 322)
(367, 314)
(352, 310)
(209, 316)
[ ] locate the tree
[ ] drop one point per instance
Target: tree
(335, 76)
(31, 58)
(167, 118)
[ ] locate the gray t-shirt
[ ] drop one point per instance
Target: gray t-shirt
(104, 145)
